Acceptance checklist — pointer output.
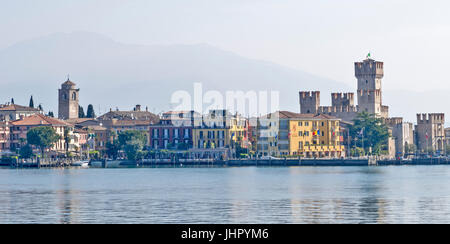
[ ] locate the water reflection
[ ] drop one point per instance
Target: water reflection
(415, 194)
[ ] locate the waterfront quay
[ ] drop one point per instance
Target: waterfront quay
(265, 162)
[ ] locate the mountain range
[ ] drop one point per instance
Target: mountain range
(114, 75)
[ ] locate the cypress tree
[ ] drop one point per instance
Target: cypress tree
(90, 112)
(81, 112)
(31, 102)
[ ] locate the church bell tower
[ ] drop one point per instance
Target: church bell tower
(68, 101)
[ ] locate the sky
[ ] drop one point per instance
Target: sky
(320, 37)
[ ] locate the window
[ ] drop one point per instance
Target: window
(300, 123)
(74, 96)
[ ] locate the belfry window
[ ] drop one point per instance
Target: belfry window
(74, 96)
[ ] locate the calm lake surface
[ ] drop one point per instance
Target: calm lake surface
(394, 194)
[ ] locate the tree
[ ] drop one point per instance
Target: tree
(40, 107)
(50, 114)
(132, 142)
(67, 139)
(81, 112)
(90, 112)
(12, 100)
(26, 151)
(42, 137)
(112, 149)
(370, 132)
(31, 102)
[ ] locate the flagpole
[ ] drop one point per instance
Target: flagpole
(362, 135)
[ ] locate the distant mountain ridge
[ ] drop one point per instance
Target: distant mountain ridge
(112, 74)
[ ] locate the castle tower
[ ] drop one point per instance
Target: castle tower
(309, 102)
(430, 132)
(369, 74)
(68, 101)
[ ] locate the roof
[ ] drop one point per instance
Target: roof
(78, 120)
(130, 122)
(292, 115)
(15, 107)
(39, 119)
(69, 83)
(130, 115)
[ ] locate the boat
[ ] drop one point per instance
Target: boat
(81, 163)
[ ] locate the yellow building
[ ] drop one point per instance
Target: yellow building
(219, 130)
(307, 135)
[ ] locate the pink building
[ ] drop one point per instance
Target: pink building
(20, 128)
(4, 136)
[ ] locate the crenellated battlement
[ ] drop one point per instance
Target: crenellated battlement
(369, 67)
(337, 109)
(393, 121)
(342, 99)
(431, 118)
(309, 94)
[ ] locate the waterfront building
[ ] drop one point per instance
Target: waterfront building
(430, 132)
(220, 133)
(10, 112)
(220, 129)
(68, 98)
(118, 121)
(447, 139)
(80, 141)
(403, 135)
(285, 133)
(4, 136)
(20, 128)
(174, 130)
(369, 95)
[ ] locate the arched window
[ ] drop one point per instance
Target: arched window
(65, 96)
(74, 96)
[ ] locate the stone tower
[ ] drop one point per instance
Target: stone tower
(369, 74)
(68, 101)
(309, 102)
(430, 132)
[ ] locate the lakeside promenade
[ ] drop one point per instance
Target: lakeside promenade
(229, 163)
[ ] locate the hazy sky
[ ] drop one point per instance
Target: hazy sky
(320, 37)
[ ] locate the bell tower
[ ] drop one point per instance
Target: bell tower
(68, 101)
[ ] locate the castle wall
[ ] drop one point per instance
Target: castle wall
(430, 132)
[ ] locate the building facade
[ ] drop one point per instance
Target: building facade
(220, 129)
(174, 130)
(20, 128)
(307, 135)
(12, 112)
(4, 136)
(430, 132)
(403, 135)
(68, 98)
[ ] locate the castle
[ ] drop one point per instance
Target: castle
(369, 94)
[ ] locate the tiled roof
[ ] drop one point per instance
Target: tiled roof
(130, 115)
(69, 83)
(78, 120)
(39, 119)
(292, 115)
(15, 107)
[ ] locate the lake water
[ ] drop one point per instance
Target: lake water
(394, 194)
